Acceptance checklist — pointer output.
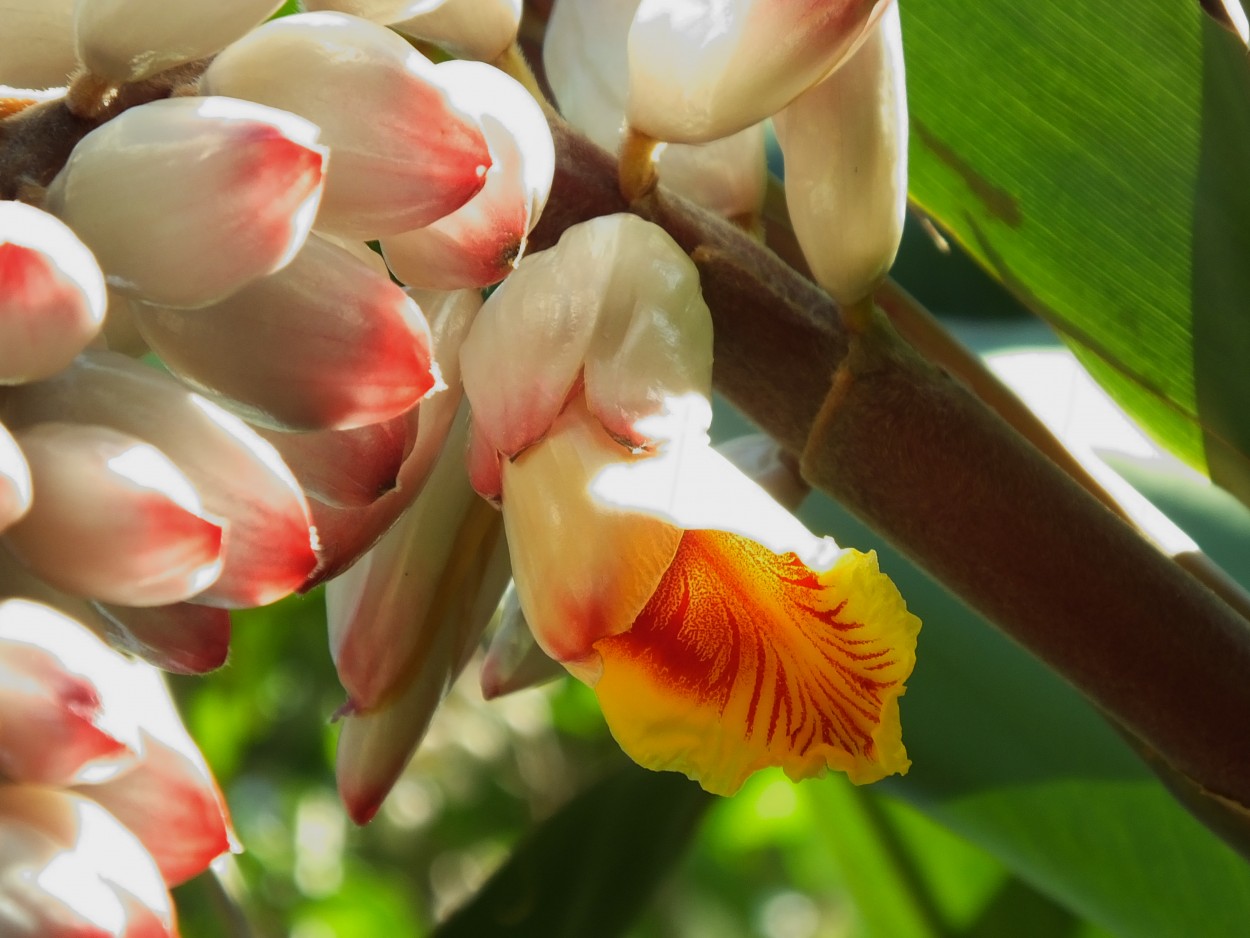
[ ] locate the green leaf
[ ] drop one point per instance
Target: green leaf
(1090, 156)
(1008, 756)
(589, 869)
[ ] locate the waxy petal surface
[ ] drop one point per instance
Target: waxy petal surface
(479, 243)
(584, 54)
(703, 69)
(379, 610)
(845, 146)
(374, 747)
(346, 533)
(403, 155)
(347, 468)
(182, 638)
(52, 296)
(380, 11)
(513, 660)
(37, 43)
(51, 730)
(185, 200)
(745, 659)
(127, 40)
(114, 518)
(468, 29)
(325, 343)
(70, 869)
(268, 547)
(583, 569)
(616, 300)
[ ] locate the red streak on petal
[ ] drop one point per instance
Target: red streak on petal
(31, 285)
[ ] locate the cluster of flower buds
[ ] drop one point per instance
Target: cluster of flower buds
(307, 396)
(700, 77)
(105, 802)
(311, 426)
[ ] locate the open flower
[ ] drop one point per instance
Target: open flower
(720, 635)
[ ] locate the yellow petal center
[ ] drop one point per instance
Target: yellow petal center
(744, 659)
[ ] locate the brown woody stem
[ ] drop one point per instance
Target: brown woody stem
(932, 469)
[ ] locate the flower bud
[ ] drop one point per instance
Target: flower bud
(185, 200)
(584, 54)
(479, 243)
(113, 518)
(346, 533)
(182, 637)
(347, 468)
(52, 296)
(583, 309)
(704, 69)
(514, 661)
(37, 42)
(845, 147)
(403, 155)
(128, 40)
(51, 722)
(328, 344)
(267, 550)
(468, 29)
(165, 795)
(70, 868)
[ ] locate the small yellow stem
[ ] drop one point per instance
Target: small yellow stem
(637, 174)
(512, 62)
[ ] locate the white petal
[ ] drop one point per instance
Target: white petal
(186, 200)
(126, 40)
(113, 518)
(52, 296)
(845, 147)
(14, 480)
(402, 155)
(268, 549)
(37, 42)
(583, 568)
(468, 29)
(703, 69)
(479, 243)
(380, 11)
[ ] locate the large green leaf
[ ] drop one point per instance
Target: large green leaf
(589, 869)
(1090, 154)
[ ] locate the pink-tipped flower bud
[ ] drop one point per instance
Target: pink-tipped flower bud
(347, 468)
(113, 518)
(514, 661)
(185, 200)
(403, 154)
(52, 295)
(703, 69)
(182, 638)
(479, 243)
(52, 725)
(468, 29)
(128, 40)
(71, 869)
(267, 550)
(328, 343)
(845, 146)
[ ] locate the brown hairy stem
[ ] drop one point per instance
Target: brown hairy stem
(932, 469)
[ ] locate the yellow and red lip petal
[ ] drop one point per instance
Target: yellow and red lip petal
(745, 659)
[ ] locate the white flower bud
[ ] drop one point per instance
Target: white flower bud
(36, 43)
(186, 200)
(52, 296)
(468, 29)
(380, 11)
(402, 154)
(127, 40)
(845, 147)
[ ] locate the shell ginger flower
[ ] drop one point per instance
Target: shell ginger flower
(720, 636)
